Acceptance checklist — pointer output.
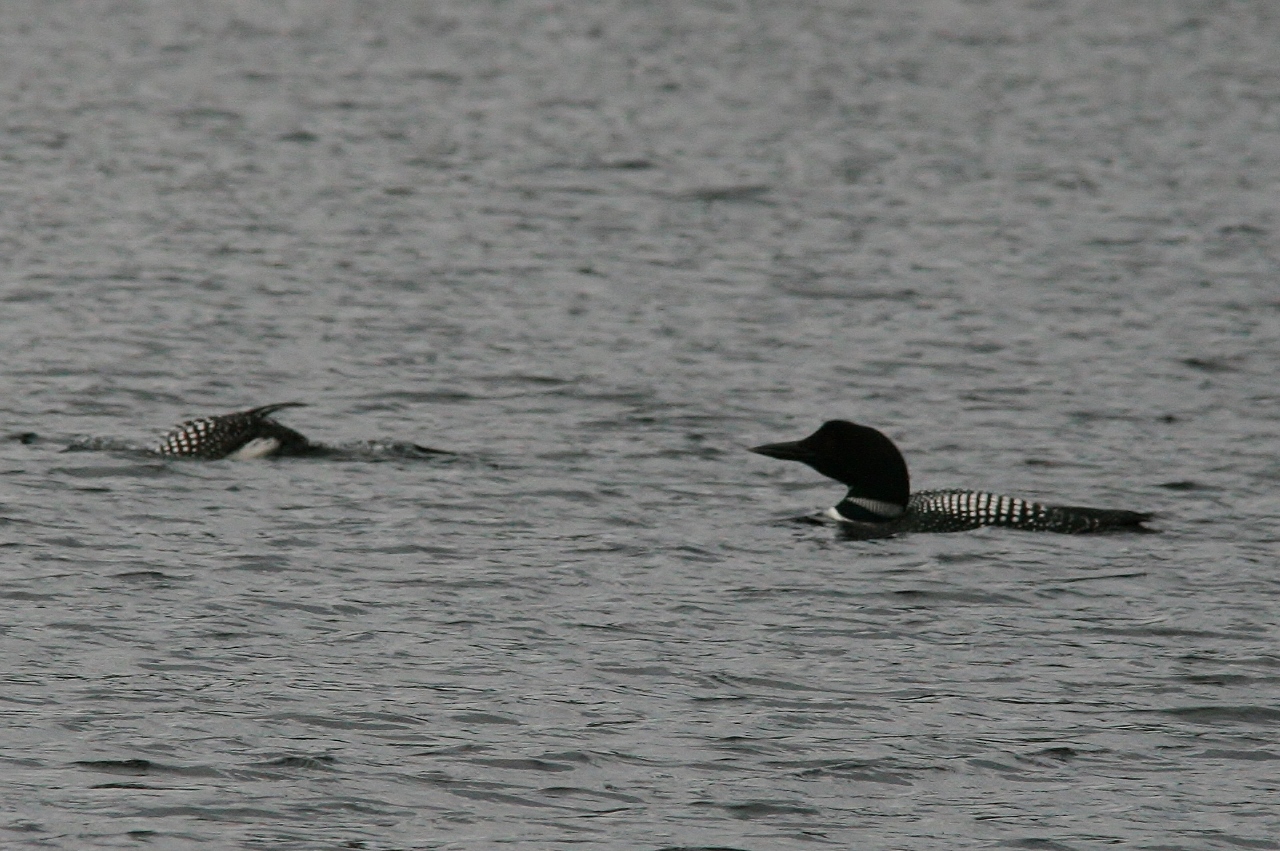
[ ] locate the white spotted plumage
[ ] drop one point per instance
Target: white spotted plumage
(244, 434)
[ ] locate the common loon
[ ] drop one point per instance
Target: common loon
(244, 434)
(880, 503)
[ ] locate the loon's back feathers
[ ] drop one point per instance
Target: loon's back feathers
(880, 502)
(958, 510)
(244, 434)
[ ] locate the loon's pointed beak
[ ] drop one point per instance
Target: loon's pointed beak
(792, 450)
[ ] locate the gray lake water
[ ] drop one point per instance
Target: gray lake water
(597, 250)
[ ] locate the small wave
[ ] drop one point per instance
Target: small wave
(380, 450)
(106, 444)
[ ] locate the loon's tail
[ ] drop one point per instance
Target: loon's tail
(1077, 519)
(268, 410)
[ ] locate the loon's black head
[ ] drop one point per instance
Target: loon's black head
(859, 456)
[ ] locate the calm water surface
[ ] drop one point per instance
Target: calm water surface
(596, 250)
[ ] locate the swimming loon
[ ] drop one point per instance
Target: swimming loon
(244, 434)
(880, 502)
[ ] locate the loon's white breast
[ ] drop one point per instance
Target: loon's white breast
(259, 447)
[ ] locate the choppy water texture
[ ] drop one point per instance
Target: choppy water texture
(597, 249)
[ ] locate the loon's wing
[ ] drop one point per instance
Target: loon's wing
(958, 510)
(211, 438)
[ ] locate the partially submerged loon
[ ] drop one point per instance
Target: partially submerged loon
(244, 434)
(880, 502)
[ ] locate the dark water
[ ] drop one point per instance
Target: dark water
(597, 249)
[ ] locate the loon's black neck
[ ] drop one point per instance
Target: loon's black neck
(860, 457)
